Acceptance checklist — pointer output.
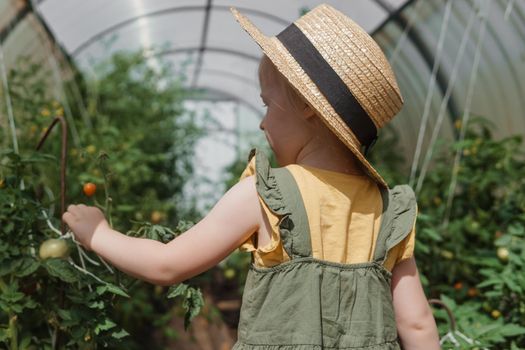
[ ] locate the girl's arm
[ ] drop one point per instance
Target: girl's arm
(232, 220)
(415, 323)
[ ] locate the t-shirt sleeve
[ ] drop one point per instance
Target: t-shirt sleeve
(406, 247)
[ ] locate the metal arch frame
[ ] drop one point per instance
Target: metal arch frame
(198, 67)
(204, 40)
(19, 17)
(385, 6)
(413, 84)
(234, 76)
(128, 21)
(231, 75)
(494, 85)
(505, 55)
(211, 49)
(228, 95)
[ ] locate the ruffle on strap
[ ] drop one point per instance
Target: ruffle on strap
(404, 213)
(269, 192)
(266, 184)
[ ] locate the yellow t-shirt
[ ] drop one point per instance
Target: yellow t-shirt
(344, 215)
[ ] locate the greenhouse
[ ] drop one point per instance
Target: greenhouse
(215, 174)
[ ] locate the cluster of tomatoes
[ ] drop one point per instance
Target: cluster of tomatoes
(58, 247)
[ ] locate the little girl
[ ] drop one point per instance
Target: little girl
(332, 245)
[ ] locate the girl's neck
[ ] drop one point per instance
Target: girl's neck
(330, 158)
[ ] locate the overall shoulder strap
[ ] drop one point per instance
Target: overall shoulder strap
(295, 230)
(386, 223)
(279, 190)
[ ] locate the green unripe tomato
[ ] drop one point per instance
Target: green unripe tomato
(229, 273)
(447, 254)
(503, 254)
(53, 248)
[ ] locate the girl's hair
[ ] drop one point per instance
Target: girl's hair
(268, 72)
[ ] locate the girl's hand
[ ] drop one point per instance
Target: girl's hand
(84, 221)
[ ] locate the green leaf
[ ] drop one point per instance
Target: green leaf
(65, 314)
(108, 287)
(27, 267)
(503, 241)
(96, 305)
(509, 282)
(193, 304)
(104, 326)
(516, 229)
(4, 334)
(448, 301)
(177, 290)
(433, 234)
(489, 282)
(10, 293)
(61, 269)
(511, 330)
(8, 267)
(125, 208)
(488, 328)
(120, 334)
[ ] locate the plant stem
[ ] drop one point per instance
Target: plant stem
(98, 205)
(13, 332)
(108, 199)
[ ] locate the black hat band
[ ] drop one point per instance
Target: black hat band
(330, 84)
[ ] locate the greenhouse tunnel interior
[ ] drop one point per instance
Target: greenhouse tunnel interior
(458, 64)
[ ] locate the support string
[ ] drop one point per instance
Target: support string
(466, 114)
(508, 10)
(8, 101)
(402, 39)
(430, 93)
(446, 97)
(60, 85)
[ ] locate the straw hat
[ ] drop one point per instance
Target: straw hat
(341, 73)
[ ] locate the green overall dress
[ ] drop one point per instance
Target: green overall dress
(307, 303)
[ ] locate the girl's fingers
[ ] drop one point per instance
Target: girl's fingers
(76, 208)
(67, 217)
(71, 209)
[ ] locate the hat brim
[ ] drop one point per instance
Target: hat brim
(292, 71)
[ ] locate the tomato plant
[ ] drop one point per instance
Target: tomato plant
(75, 300)
(483, 245)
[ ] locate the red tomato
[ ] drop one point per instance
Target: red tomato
(90, 189)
